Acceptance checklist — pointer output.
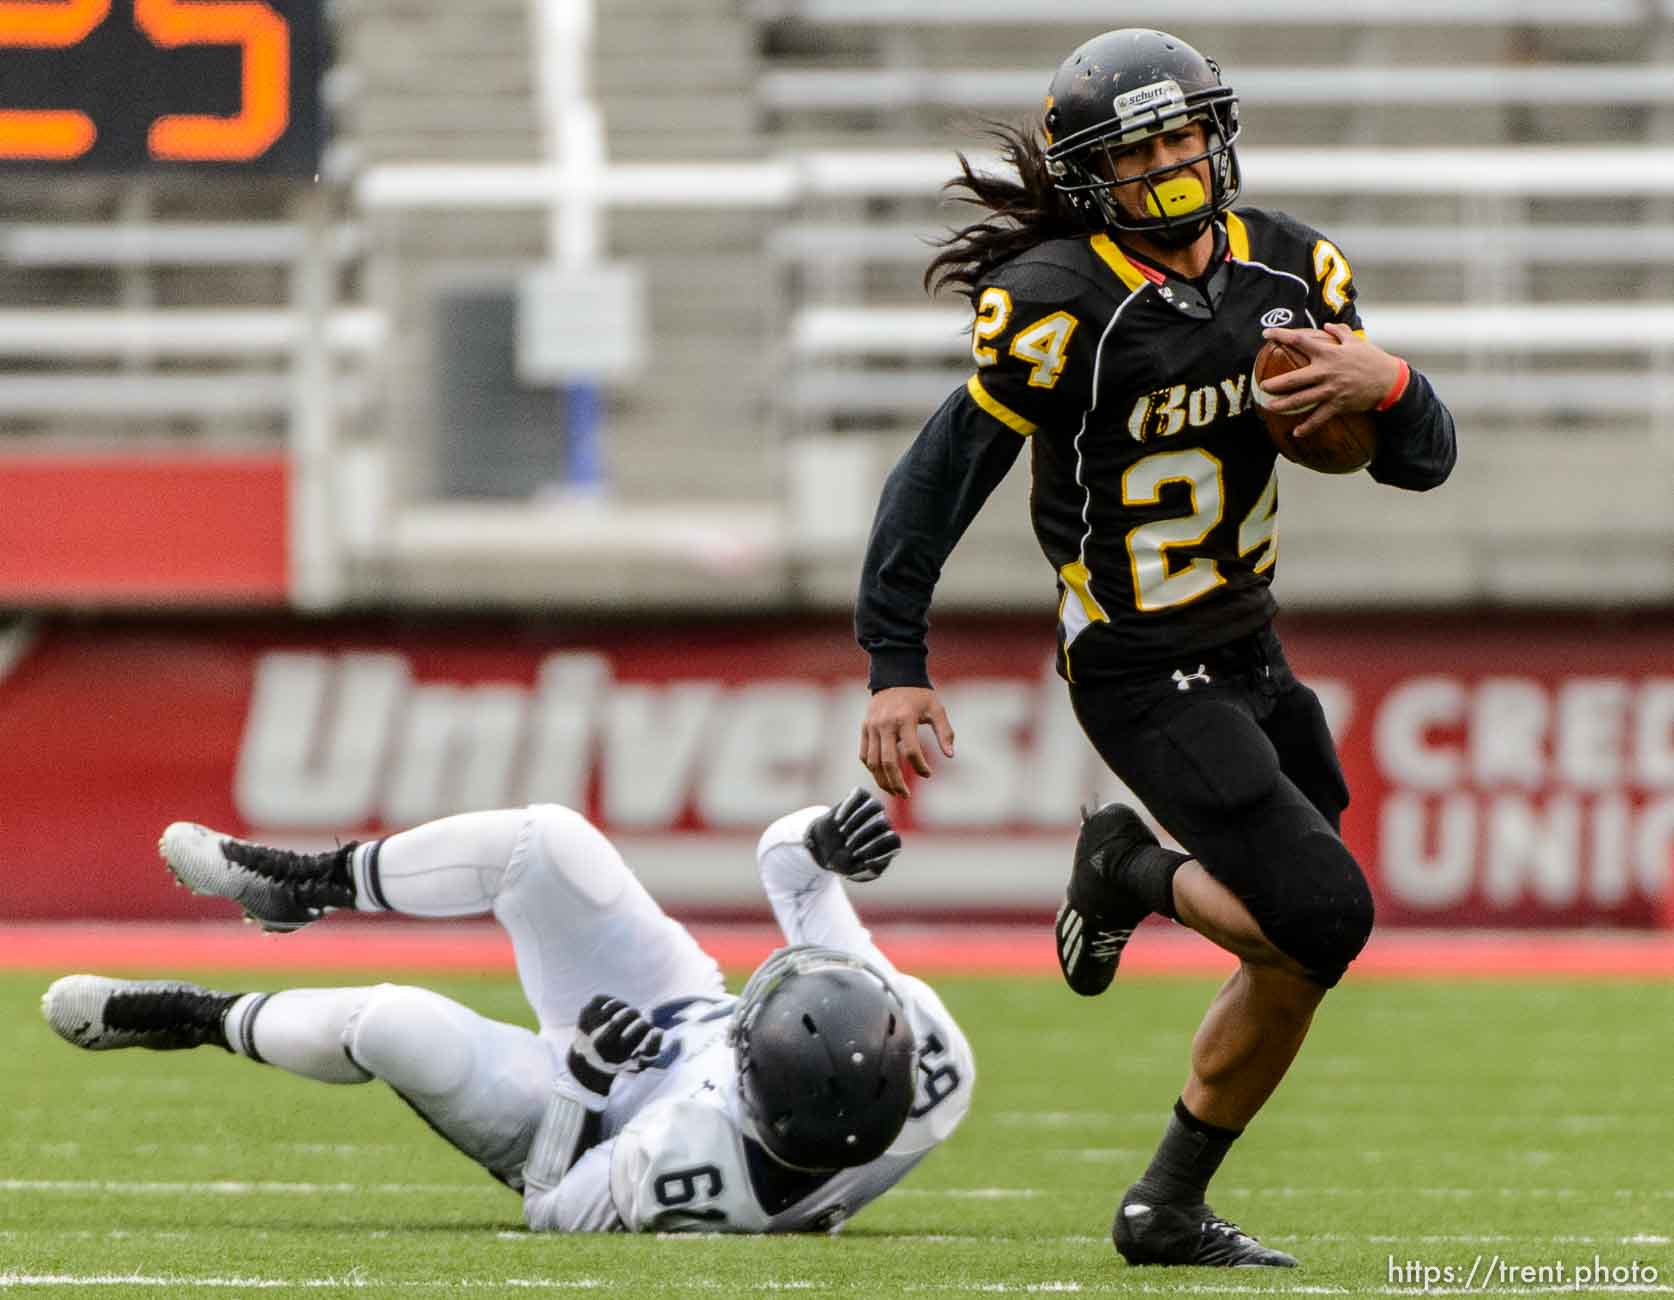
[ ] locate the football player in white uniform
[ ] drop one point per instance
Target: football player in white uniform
(649, 1099)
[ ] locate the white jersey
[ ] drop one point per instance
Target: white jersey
(677, 1152)
(686, 1161)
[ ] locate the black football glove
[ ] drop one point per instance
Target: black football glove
(854, 839)
(610, 1037)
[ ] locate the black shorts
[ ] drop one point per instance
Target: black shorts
(1232, 756)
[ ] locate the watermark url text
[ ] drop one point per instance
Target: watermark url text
(1487, 1272)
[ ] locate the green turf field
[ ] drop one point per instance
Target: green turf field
(1427, 1124)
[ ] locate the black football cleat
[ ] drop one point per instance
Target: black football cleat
(278, 889)
(103, 1014)
(1187, 1234)
(1098, 916)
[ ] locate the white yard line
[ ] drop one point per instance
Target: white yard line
(225, 1187)
(917, 1240)
(971, 1193)
(1460, 1193)
(358, 1280)
(936, 1238)
(351, 1281)
(145, 1279)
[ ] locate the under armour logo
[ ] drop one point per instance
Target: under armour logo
(1183, 680)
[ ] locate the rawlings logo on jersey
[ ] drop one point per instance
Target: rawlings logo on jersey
(1169, 411)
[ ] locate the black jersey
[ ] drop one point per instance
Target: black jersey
(1155, 497)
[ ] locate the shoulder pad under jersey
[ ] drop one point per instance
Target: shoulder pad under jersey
(1275, 237)
(1282, 243)
(1057, 270)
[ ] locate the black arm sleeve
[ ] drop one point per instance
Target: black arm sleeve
(1416, 442)
(928, 501)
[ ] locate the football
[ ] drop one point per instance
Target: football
(1344, 445)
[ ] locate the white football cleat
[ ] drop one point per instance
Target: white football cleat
(278, 889)
(102, 1014)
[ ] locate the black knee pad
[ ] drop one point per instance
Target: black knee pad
(1322, 915)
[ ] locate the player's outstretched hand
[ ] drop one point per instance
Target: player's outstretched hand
(610, 1037)
(889, 733)
(854, 839)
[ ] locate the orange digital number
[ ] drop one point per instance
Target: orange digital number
(52, 135)
(265, 106)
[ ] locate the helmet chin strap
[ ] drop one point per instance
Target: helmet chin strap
(1179, 236)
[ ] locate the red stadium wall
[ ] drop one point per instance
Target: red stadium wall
(144, 528)
(1511, 773)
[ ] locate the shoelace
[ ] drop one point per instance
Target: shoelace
(308, 876)
(1105, 944)
(158, 1008)
(1214, 1223)
(279, 864)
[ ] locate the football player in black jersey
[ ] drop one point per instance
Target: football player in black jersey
(1119, 301)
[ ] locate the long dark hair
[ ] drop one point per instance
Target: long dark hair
(1021, 213)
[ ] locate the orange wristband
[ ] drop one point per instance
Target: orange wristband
(1396, 390)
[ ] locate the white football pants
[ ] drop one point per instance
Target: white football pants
(580, 924)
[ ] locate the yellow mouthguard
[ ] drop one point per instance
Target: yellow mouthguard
(1184, 194)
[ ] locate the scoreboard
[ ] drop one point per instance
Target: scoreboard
(177, 85)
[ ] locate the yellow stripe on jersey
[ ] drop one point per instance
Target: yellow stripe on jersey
(1117, 261)
(1078, 610)
(1077, 578)
(998, 409)
(1237, 237)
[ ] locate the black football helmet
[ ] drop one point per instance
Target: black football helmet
(827, 1066)
(1120, 88)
